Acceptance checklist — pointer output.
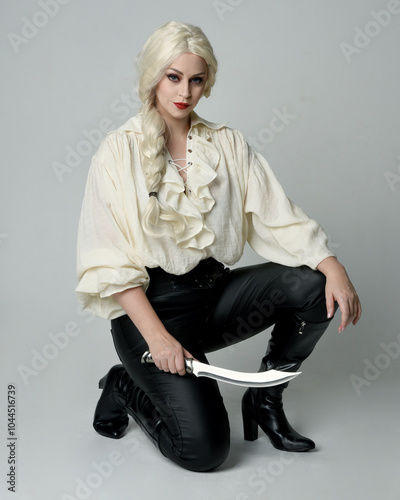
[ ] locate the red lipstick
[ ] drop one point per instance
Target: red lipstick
(181, 105)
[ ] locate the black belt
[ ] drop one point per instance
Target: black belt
(204, 274)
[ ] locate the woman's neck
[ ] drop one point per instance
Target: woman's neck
(176, 129)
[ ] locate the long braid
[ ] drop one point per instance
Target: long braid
(153, 150)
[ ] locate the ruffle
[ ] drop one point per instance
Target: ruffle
(199, 201)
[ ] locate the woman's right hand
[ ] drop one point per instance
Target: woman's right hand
(168, 354)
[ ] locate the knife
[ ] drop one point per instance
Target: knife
(260, 379)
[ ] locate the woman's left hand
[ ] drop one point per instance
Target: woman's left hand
(340, 289)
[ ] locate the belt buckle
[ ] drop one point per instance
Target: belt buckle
(212, 276)
(212, 271)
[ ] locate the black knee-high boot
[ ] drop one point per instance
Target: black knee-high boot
(119, 398)
(292, 341)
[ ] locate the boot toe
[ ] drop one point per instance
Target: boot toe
(114, 428)
(294, 445)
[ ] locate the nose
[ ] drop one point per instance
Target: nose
(184, 89)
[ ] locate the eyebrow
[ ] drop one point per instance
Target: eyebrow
(180, 72)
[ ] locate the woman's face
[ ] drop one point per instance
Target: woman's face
(181, 87)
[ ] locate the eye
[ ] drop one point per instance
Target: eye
(173, 77)
(198, 80)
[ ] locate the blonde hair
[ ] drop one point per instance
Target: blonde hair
(162, 47)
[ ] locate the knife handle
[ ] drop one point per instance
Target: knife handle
(147, 358)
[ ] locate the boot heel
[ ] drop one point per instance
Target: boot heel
(250, 427)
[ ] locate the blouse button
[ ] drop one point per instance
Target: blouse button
(190, 137)
(189, 150)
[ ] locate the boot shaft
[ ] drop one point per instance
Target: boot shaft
(292, 341)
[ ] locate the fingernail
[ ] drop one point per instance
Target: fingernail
(329, 315)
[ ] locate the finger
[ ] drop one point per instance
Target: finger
(187, 354)
(165, 365)
(157, 362)
(345, 317)
(165, 361)
(358, 315)
(180, 365)
(172, 366)
(355, 311)
(330, 305)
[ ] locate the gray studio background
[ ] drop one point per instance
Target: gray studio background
(314, 86)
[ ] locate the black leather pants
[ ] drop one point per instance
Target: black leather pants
(210, 308)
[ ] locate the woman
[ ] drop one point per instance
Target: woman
(170, 201)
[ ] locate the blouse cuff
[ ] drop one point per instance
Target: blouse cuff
(318, 257)
(95, 292)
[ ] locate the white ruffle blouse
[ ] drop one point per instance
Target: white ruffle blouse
(231, 197)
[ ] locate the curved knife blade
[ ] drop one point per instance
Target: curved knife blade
(259, 379)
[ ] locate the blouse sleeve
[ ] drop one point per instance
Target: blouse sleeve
(106, 258)
(278, 230)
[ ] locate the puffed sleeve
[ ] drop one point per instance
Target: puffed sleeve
(107, 261)
(279, 230)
